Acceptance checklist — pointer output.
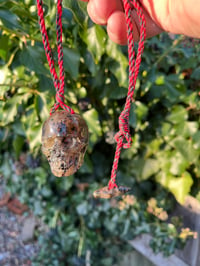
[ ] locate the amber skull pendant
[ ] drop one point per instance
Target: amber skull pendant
(64, 142)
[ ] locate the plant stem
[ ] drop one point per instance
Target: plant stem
(82, 236)
(174, 44)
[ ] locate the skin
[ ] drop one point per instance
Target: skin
(175, 16)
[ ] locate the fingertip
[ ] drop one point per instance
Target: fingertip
(116, 28)
(101, 10)
(95, 15)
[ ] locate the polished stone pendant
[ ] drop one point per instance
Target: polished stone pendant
(64, 142)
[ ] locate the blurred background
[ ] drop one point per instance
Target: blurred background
(162, 166)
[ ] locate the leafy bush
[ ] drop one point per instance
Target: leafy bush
(164, 124)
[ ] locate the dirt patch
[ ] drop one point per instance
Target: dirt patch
(13, 250)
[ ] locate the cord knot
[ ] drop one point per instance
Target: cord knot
(124, 132)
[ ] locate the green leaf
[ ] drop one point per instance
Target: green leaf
(197, 171)
(4, 46)
(9, 20)
(87, 167)
(141, 110)
(89, 61)
(41, 106)
(18, 128)
(95, 39)
(5, 76)
(38, 209)
(153, 146)
(66, 183)
(5, 168)
(150, 168)
(18, 143)
(155, 92)
(179, 186)
(186, 129)
(34, 134)
(46, 192)
(178, 163)
(40, 175)
(77, 8)
(71, 61)
(92, 120)
(10, 113)
(116, 93)
(164, 157)
(196, 73)
(119, 66)
(166, 129)
(82, 209)
(177, 115)
(144, 168)
(10, 109)
(171, 93)
(33, 58)
(196, 140)
(133, 116)
(160, 80)
(186, 148)
(46, 84)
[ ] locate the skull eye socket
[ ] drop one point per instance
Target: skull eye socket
(73, 129)
(66, 140)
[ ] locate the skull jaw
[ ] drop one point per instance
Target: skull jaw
(65, 166)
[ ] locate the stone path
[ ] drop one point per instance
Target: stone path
(14, 247)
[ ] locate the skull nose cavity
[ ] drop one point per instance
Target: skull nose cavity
(76, 159)
(62, 166)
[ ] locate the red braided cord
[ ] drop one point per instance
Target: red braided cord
(134, 65)
(59, 85)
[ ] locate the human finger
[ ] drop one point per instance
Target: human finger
(175, 16)
(111, 13)
(117, 29)
(100, 10)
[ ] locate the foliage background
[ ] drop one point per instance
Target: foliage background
(162, 165)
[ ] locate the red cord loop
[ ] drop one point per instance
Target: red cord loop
(59, 84)
(134, 65)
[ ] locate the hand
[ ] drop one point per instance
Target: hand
(175, 16)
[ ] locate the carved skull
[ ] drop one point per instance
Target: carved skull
(64, 142)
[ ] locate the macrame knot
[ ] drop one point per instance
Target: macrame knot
(60, 103)
(59, 97)
(124, 132)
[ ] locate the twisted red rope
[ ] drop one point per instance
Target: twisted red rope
(58, 84)
(123, 137)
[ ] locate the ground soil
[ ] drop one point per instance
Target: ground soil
(13, 250)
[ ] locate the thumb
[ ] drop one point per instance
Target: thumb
(175, 16)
